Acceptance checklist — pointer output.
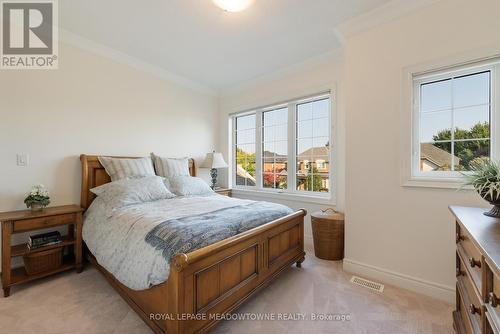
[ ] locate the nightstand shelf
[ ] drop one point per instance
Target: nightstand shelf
(22, 249)
(223, 191)
(25, 221)
(19, 275)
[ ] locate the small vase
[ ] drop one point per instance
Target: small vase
(35, 207)
(495, 210)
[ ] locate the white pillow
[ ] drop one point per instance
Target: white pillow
(170, 167)
(188, 186)
(119, 168)
(125, 192)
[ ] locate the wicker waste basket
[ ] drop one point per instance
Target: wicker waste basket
(328, 234)
(39, 262)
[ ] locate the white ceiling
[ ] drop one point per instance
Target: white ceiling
(197, 40)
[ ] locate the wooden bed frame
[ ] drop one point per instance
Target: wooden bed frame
(212, 281)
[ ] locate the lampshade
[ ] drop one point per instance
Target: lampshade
(214, 160)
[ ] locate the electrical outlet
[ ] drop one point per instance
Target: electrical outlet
(22, 159)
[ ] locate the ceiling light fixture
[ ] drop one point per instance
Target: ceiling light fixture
(233, 5)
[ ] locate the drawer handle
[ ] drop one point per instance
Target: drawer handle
(459, 272)
(474, 263)
(493, 299)
(474, 310)
(458, 238)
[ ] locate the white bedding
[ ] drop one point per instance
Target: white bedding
(116, 238)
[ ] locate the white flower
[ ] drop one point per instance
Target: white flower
(39, 190)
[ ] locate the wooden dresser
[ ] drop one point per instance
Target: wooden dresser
(477, 270)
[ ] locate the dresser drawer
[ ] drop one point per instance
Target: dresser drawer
(470, 321)
(42, 222)
(489, 328)
(493, 303)
(491, 323)
(471, 256)
(464, 278)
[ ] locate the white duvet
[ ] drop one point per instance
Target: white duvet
(116, 238)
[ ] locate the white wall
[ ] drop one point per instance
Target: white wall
(311, 77)
(96, 106)
(408, 231)
(401, 235)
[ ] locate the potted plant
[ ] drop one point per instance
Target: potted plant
(485, 178)
(38, 198)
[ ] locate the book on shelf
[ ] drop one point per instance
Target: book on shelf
(44, 239)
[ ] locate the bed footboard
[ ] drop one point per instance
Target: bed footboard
(214, 280)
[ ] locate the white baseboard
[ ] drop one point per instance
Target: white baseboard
(431, 289)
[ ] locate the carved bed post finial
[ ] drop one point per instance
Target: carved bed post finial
(180, 261)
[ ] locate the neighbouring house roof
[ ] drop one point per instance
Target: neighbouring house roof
(272, 155)
(315, 153)
(436, 155)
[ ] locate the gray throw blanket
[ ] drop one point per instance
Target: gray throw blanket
(187, 234)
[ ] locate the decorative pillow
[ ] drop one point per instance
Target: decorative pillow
(188, 186)
(170, 167)
(119, 168)
(125, 192)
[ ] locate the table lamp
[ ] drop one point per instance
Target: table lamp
(214, 160)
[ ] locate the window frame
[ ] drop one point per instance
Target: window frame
(291, 149)
(261, 143)
(450, 179)
(233, 163)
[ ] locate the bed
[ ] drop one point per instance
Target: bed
(211, 281)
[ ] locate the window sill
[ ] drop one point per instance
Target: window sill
(437, 182)
(318, 199)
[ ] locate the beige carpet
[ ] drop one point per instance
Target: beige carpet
(86, 303)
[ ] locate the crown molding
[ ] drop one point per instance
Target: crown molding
(379, 15)
(85, 44)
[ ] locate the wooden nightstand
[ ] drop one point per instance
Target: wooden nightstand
(23, 221)
(223, 191)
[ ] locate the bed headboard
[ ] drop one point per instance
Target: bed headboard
(94, 175)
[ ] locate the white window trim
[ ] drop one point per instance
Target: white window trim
(302, 198)
(290, 193)
(412, 77)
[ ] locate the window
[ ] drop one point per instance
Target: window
(284, 148)
(313, 140)
(452, 120)
(275, 148)
(245, 150)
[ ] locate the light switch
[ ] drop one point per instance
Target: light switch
(22, 159)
